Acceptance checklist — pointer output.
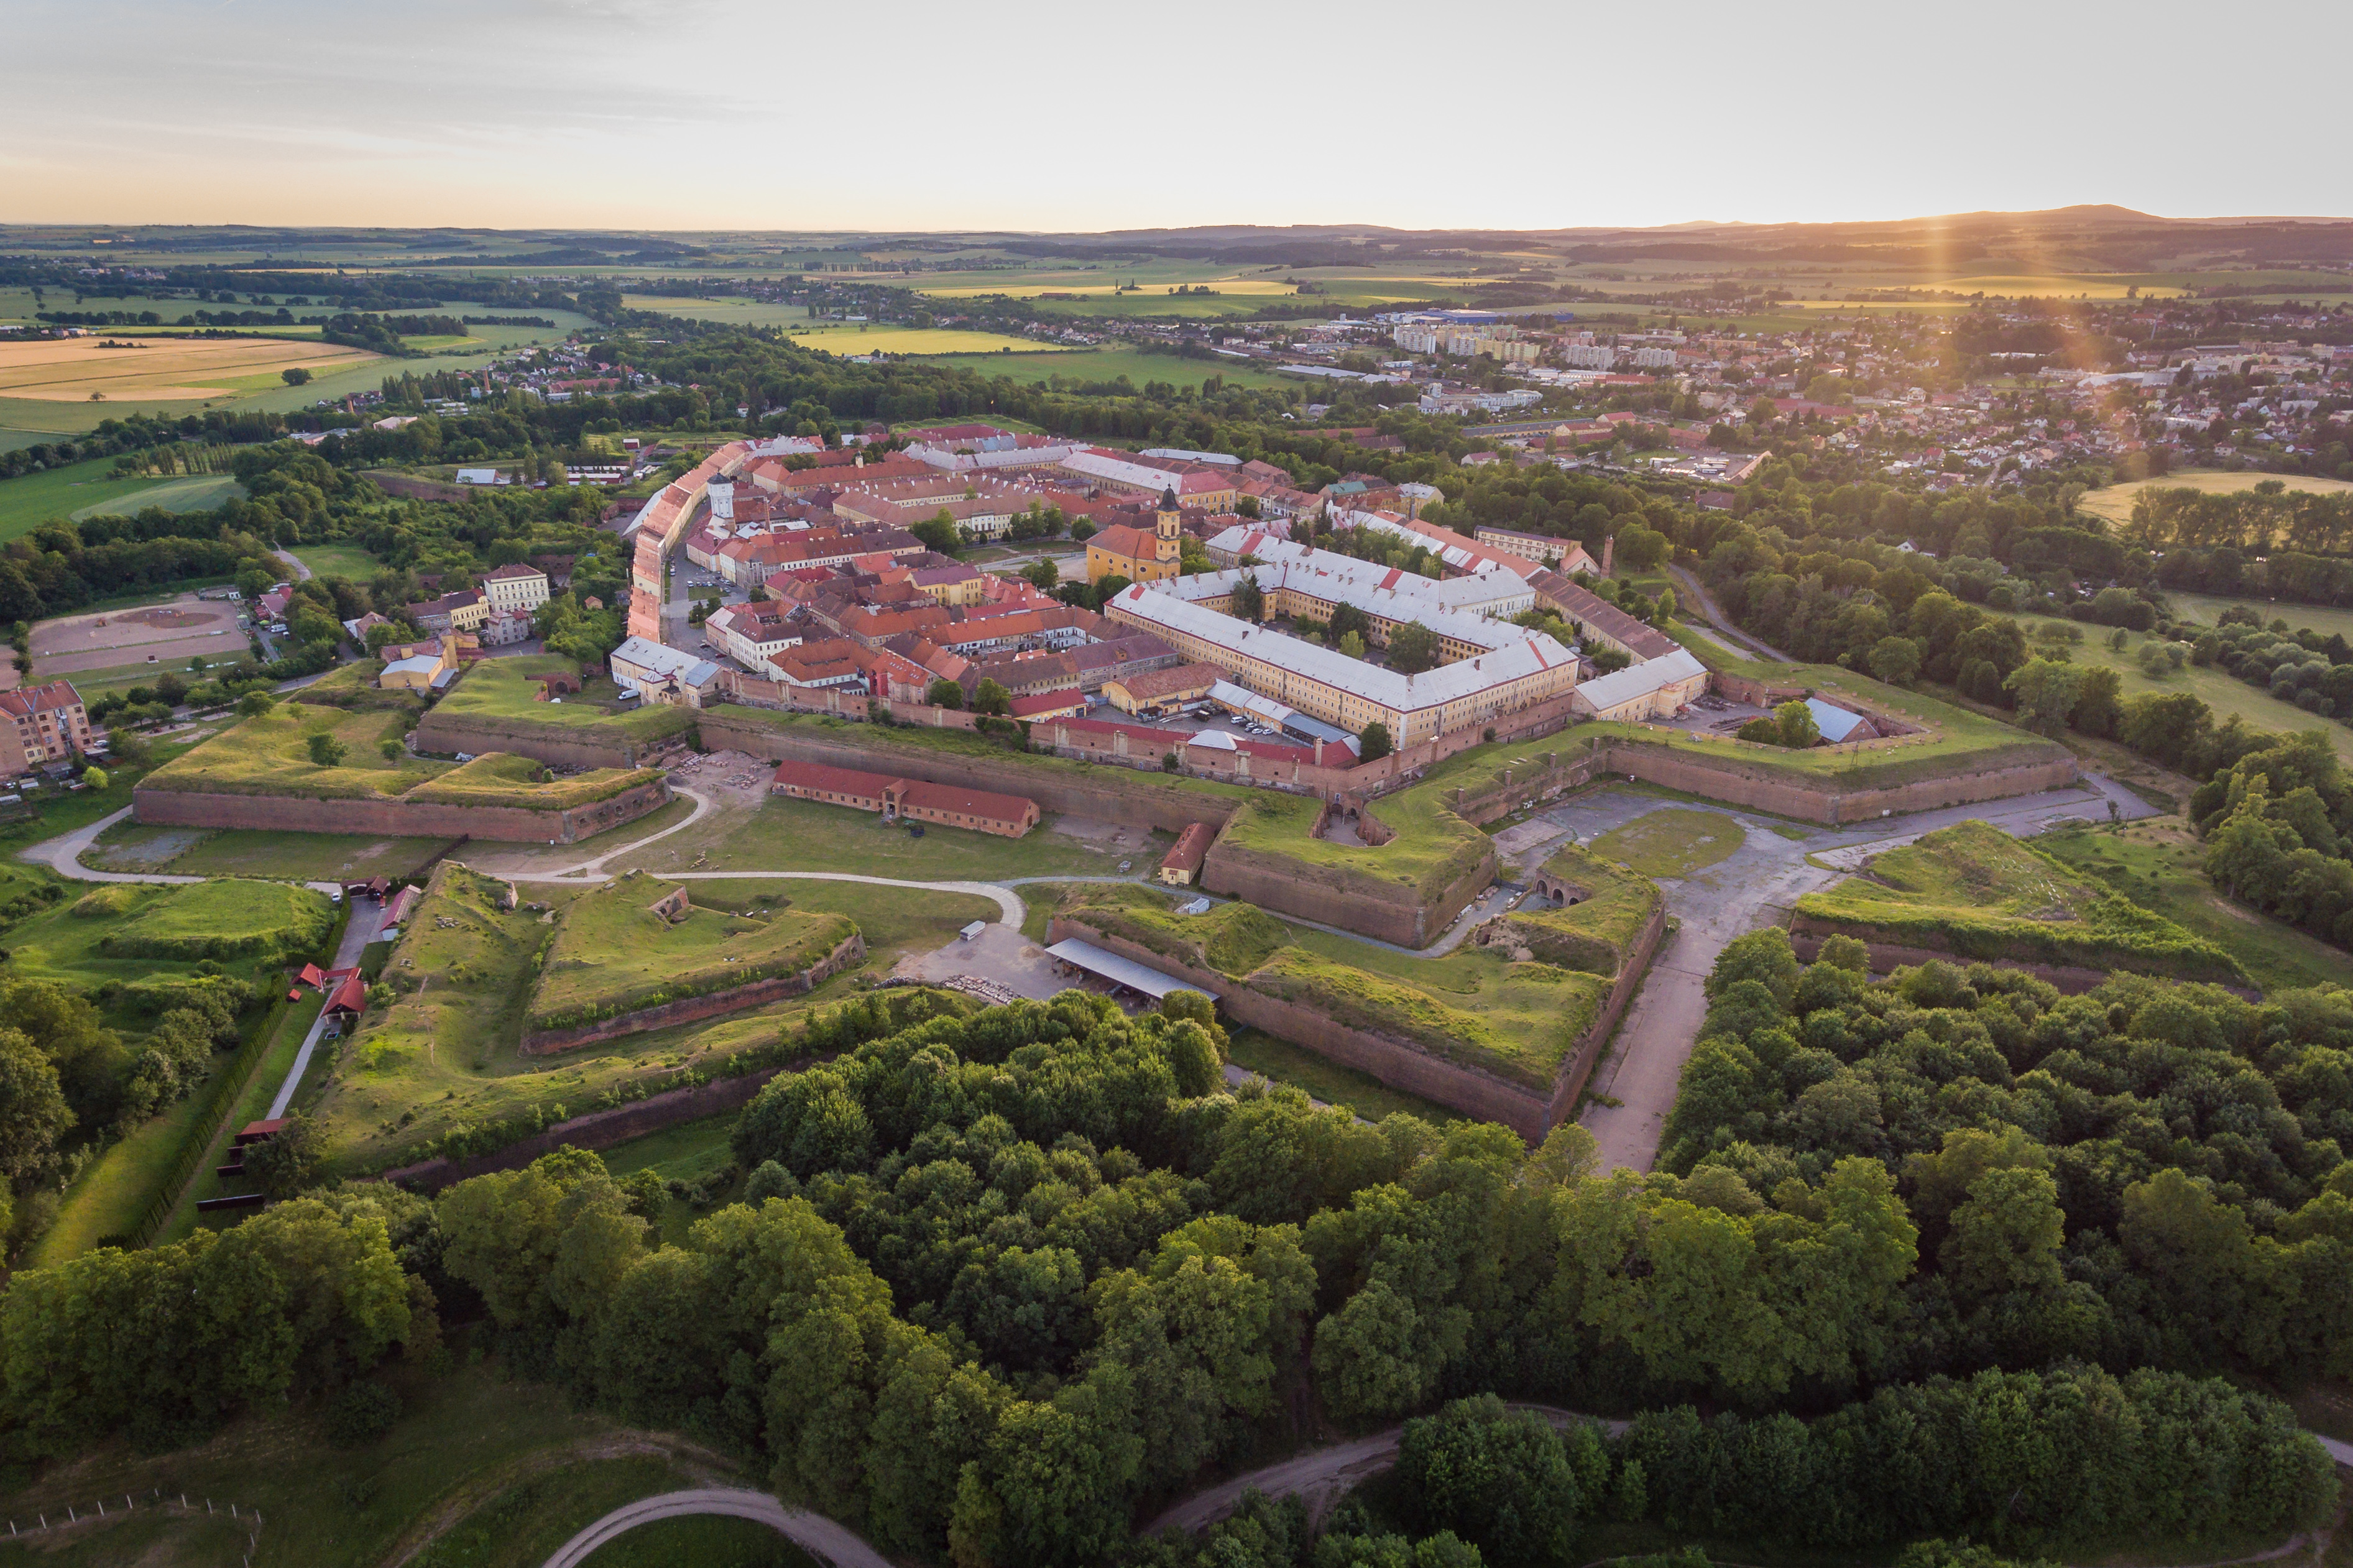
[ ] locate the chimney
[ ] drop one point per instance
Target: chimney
(1609, 548)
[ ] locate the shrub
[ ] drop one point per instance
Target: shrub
(361, 1413)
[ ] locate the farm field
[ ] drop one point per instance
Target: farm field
(2223, 693)
(443, 1056)
(849, 338)
(2156, 864)
(70, 370)
(87, 489)
(1110, 364)
(2114, 502)
(735, 312)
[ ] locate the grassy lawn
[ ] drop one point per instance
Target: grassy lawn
(253, 852)
(276, 1062)
(1280, 1062)
(1671, 843)
(690, 1152)
(339, 560)
(789, 834)
(1976, 891)
(443, 1056)
(500, 690)
(270, 754)
(86, 490)
(2206, 609)
(512, 1468)
(704, 1540)
(147, 941)
(2157, 863)
(614, 955)
(110, 1198)
(2220, 690)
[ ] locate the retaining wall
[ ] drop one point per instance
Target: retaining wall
(394, 819)
(689, 1009)
(447, 734)
(1112, 794)
(597, 1129)
(1595, 1038)
(1807, 936)
(1783, 796)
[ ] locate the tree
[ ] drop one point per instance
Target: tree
(254, 704)
(1374, 744)
(944, 693)
(2045, 691)
(1498, 1479)
(1044, 574)
(990, 698)
(1664, 610)
(1795, 720)
(1249, 599)
(1641, 549)
(33, 1110)
(1413, 647)
(1351, 643)
(294, 375)
(326, 750)
(390, 748)
(1109, 588)
(939, 531)
(171, 689)
(291, 1159)
(1895, 660)
(95, 778)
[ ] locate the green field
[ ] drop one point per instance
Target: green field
(2158, 865)
(111, 1197)
(2220, 690)
(342, 559)
(142, 941)
(1109, 364)
(735, 312)
(853, 338)
(501, 692)
(270, 754)
(612, 955)
(690, 1152)
(83, 490)
(1671, 842)
(785, 834)
(2206, 609)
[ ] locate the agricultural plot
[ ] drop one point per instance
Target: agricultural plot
(160, 369)
(735, 312)
(133, 948)
(1088, 366)
(87, 488)
(1976, 892)
(847, 338)
(615, 954)
(2114, 502)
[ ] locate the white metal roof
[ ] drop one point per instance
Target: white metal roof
(1125, 971)
(1641, 680)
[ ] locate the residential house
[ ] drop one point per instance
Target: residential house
(515, 587)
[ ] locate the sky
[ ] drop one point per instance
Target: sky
(1048, 116)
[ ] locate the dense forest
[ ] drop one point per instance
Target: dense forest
(1007, 1277)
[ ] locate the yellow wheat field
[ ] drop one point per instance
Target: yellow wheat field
(67, 369)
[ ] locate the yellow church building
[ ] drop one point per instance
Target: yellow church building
(1135, 554)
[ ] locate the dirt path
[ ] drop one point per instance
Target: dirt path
(1723, 626)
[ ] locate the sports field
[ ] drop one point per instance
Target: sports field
(188, 628)
(2114, 502)
(76, 370)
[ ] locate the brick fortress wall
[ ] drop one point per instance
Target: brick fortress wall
(690, 1010)
(394, 819)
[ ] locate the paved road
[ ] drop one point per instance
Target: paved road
(302, 573)
(1765, 876)
(1707, 607)
(63, 856)
(1320, 1475)
(813, 1533)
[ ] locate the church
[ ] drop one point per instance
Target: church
(1135, 554)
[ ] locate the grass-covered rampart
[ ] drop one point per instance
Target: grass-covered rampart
(1975, 892)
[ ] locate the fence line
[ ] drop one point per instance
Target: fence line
(156, 1498)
